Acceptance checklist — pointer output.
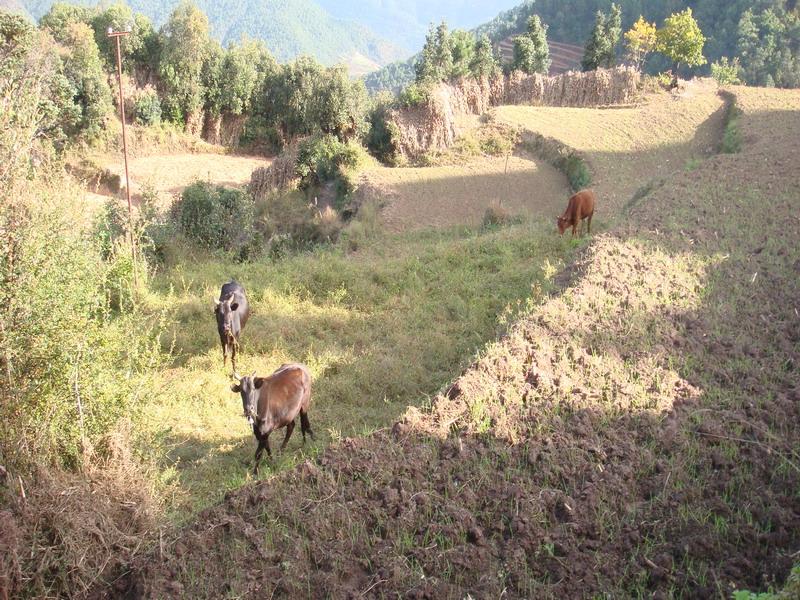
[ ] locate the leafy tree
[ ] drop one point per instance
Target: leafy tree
(681, 40)
(185, 48)
(531, 52)
(118, 17)
(613, 31)
(436, 60)
(462, 47)
(769, 47)
(340, 105)
(484, 62)
(61, 15)
(641, 41)
(597, 46)
(83, 68)
(212, 78)
(245, 67)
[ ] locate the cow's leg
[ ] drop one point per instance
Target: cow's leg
(305, 425)
(224, 354)
(233, 356)
(289, 430)
(259, 452)
(589, 223)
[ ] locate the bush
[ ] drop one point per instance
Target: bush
(574, 167)
(496, 214)
(288, 223)
(147, 107)
(380, 139)
(322, 159)
(77, 367)
(726, 72)
(216, 217)
(414, 95)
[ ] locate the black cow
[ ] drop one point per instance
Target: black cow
(232, 312)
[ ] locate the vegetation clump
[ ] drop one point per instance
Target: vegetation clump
(215, 217)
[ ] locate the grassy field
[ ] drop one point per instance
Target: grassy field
(381, 329)
(635, 433)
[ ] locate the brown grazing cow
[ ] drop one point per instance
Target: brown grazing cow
(273, 402)
(579, 207)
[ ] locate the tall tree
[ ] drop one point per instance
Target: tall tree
(462, 46)
(83, 68)
(769, 46)
(641, 41)
(597, 46)
(531, 52)
(436, 60)
(484, 63)
(681, 41)
(185, 46)
(613, 31)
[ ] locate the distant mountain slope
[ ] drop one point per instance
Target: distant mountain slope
(406, 21)
(288, 27)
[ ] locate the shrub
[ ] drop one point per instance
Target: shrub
(216, 217)
(574, 167)
(322, 159)
(496, 214)
(726, 72)
(288, 223)
(75, 366)
(147, 107)
(414, 95)
(380, 139)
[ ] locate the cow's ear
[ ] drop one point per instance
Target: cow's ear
(258, 382)
(234, 305)
(235, 388)
(216, 305)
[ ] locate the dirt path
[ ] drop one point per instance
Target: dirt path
(419, 198)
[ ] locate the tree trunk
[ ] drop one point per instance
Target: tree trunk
(674, 83)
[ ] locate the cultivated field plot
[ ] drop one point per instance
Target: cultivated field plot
(434, 197)
(169, 174)
(627, 148)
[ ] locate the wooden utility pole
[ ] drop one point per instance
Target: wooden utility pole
(117, 35)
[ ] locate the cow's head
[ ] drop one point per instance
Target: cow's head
(563, 224)
(225, 310)
(248, 387)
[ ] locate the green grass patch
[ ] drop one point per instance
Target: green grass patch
(732, 136)
(381, 329)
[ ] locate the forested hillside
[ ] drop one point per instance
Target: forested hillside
(288, 27)
(763, 34)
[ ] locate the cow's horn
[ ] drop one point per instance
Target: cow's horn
(216, 302)
(236, 376)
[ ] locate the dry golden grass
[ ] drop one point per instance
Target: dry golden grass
(169, 174)
(628, 147)
(432, 197)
